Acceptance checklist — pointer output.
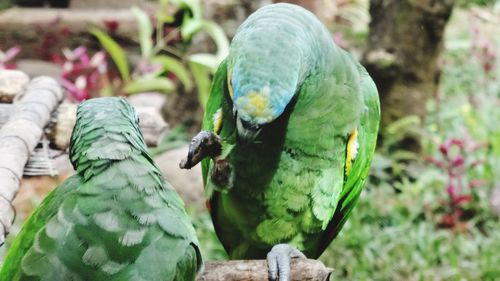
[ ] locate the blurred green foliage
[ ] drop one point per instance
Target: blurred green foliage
(468, 3)
(160, 51)
(396, 232)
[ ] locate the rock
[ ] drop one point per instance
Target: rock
(34, 68)
(155, 100)
(60, 132)
(153, 126)
(12, 83)
(188, 183)
(148, 106)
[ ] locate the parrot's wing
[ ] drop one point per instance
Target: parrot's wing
(367, 139)
(214, 105)
(24, 240)
(219, 119)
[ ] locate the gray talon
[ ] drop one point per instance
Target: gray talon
(278, 261)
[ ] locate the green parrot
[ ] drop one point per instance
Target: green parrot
(288, 135)
(115, 219)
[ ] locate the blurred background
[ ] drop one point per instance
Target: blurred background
(431, 207)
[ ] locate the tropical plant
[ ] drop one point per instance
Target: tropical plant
(160, 62)
(84, 76)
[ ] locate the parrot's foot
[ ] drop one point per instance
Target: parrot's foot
(278, 261)
(221, 174)
(202, 145)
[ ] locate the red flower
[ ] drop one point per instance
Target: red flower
(111, 25)
(447, 221)
(458, 161)
(458, 200)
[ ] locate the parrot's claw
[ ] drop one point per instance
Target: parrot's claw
(221, 174)
(278, 261)
(202, 145)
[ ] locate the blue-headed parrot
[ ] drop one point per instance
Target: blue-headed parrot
(288, 135)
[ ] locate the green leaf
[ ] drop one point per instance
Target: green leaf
(115, 51)
(176, 67)
(217, 34)
(141, 85)
(402, 124)
(207, 60)
(202, 79)
(190, 27)
(145, 31)
(194, 5)
(163, 18)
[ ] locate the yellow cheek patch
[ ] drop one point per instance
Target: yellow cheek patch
(352, 150)
(256, 104)
(217, 121)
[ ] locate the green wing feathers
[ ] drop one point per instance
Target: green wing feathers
(367, 138)
(24, 240)
(117, 219)
(214, 104)
(216, 96)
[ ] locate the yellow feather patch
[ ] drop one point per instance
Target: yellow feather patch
(217, 121)
(256, 104)
(352, 150)
(230, 83)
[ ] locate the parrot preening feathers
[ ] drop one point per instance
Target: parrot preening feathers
(115, 219)
(288, 136)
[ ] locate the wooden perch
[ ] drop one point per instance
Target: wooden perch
(256, 270)
(18, 138)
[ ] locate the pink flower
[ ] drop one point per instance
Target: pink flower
(458, 161)
(338, 38)
(82, 73)
(451, 191)
(8, 56)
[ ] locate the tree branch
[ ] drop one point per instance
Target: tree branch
(20, 135)
(256, 270)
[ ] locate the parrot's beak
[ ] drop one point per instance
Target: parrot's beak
(247, 131)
